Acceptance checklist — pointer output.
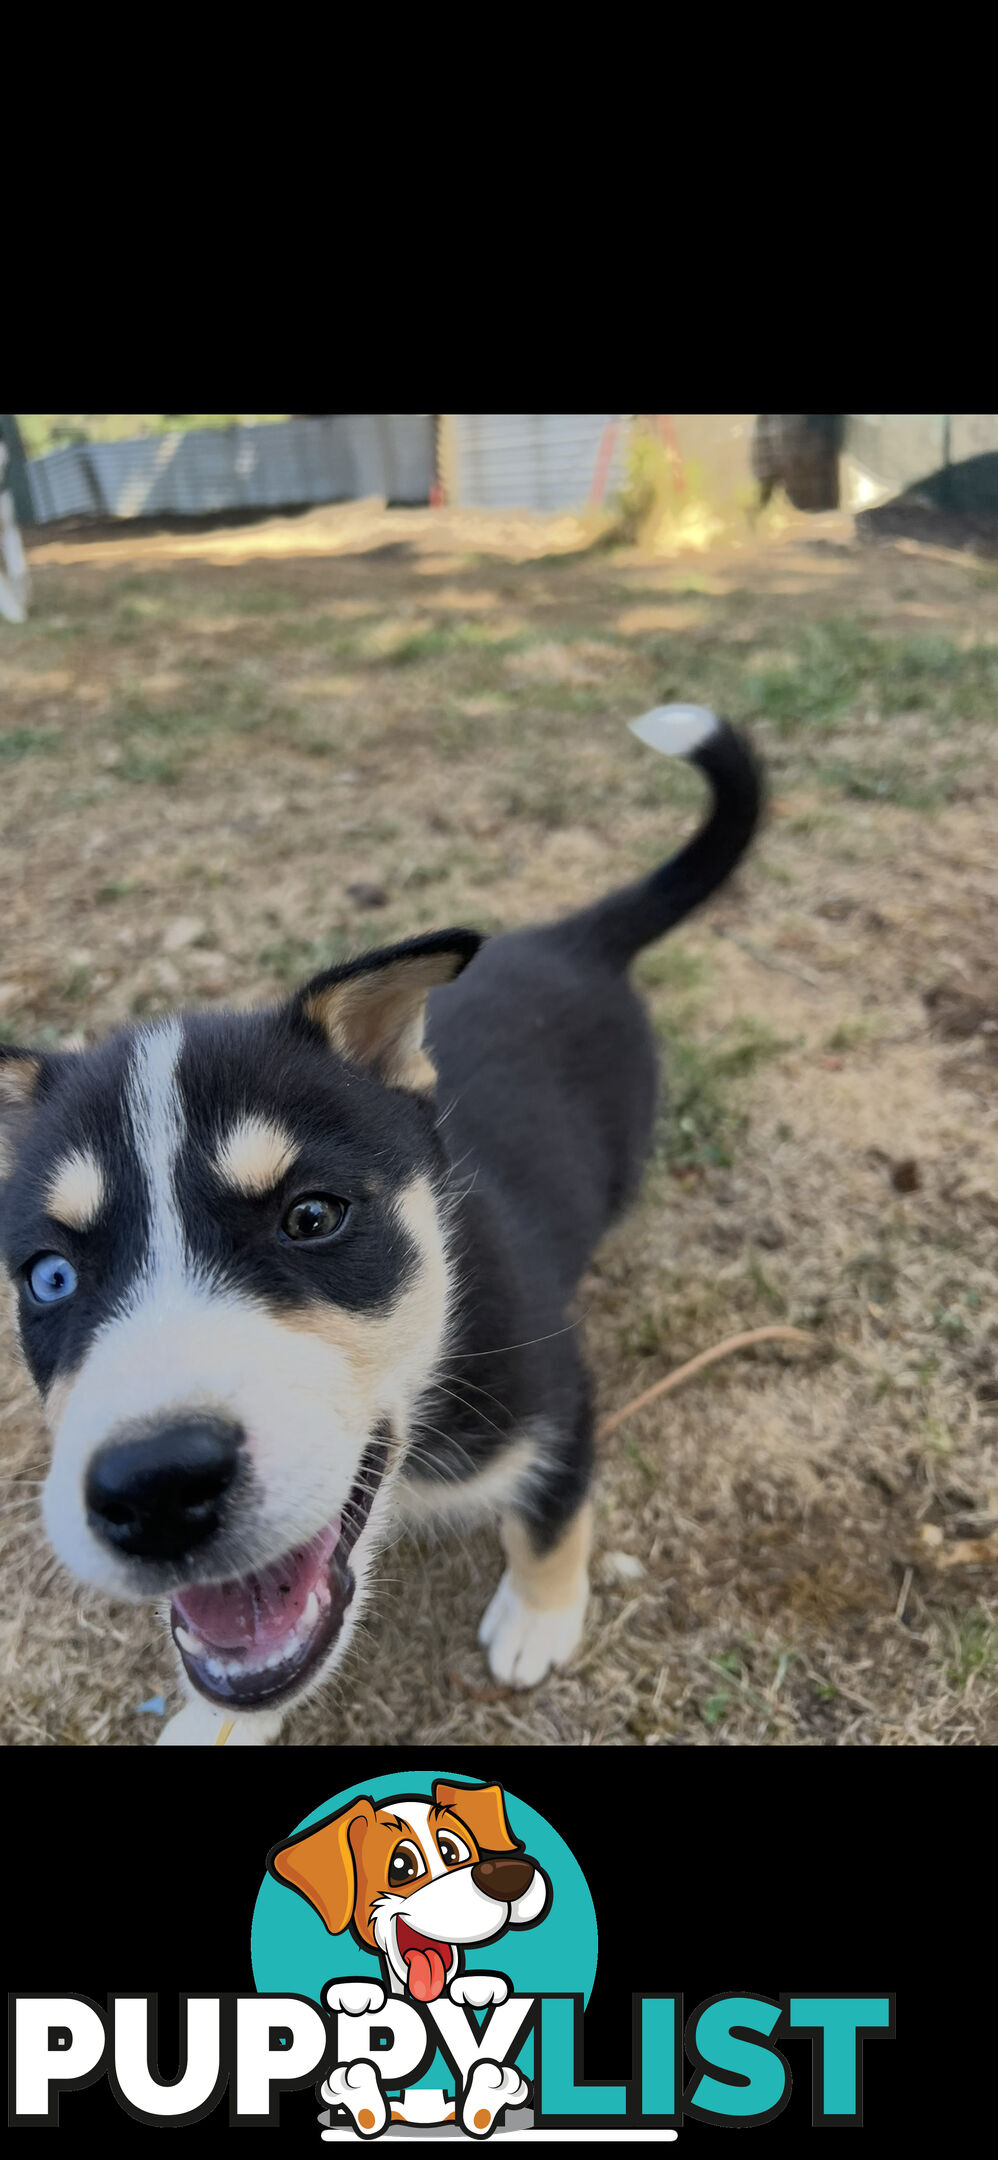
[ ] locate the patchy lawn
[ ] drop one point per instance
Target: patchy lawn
(229, 756)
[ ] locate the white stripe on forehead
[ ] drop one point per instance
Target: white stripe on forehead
(417, 1814)
(154, 1108)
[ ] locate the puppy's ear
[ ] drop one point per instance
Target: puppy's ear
(321, 1864)
(371, 1011)
(483, 1808)
(20, 1079)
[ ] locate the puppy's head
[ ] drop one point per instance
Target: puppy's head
(417, 1879)
(225, 1237)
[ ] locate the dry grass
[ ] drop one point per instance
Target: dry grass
(206, 741)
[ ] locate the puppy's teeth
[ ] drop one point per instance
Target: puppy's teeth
(241, 1668)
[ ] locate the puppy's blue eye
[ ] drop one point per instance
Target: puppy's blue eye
(51, 1278)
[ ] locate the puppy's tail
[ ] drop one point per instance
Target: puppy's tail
(617, 927)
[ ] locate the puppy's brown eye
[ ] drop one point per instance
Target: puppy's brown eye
(309, 1221)
(404, 1865)
(453, 1851)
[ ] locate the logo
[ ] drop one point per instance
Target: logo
(423, 1952)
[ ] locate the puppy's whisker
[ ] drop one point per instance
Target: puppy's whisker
(473, 1410)
(504, 1349)
(460, 1380)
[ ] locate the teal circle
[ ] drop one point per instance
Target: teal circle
(293, 1953)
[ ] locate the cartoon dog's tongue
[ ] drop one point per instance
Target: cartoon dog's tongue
(426, 1962)
(427, 1973)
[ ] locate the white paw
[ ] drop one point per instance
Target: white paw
(479, 1989)
(523, 1643)
(491, 2088)
(355, 2086)
(199, 1724)
(354, 1997)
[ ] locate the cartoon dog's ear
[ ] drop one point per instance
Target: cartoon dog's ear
(372, 1010)
(483, 1808)
(321, 1864)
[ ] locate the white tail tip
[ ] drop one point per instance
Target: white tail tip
(677, 730)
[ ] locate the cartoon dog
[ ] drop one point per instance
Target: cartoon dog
(277, 1305)
(419, 1881)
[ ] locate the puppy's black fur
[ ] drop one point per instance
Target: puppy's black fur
(546, 1051)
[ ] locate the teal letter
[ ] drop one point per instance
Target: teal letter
(555, 2069)
(839, 2019)
(658, 2055)
(763, 2068)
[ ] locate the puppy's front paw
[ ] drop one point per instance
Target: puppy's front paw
(479, 1989)
(524, 1642)
(356, 2087)
(491, 2088)
(355, 1997)
(199, 1723)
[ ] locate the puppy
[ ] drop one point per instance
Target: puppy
(288, 1278)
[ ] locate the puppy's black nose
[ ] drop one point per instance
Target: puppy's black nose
(158, 1495)
(503, 1878)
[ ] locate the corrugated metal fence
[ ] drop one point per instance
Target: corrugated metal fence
(284, 464)
(521, 461)
(529, 461)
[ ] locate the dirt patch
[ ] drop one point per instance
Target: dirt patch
(229, 755)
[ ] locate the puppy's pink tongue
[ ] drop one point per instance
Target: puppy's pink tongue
(427, 1973)
(259, 1610)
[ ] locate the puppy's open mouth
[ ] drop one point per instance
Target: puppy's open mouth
(427, 1961)
(246, 1641)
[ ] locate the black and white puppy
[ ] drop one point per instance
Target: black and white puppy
(275, 1304)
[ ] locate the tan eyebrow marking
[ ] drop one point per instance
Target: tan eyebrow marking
(254, 1155)
(76, 1190)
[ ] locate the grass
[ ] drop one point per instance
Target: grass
(115, 889)
(671, 967)
(139, 768)
(444, 639)
(851, 1035)
(835, 667)
(972, 1648)
(892, 781)
(24, 742)
(293, 960)
(702, 1116)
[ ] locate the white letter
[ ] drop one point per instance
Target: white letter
(35, 2018)
(497, 2042)
(259, 2066)
(407, 2053)
(131, 2057)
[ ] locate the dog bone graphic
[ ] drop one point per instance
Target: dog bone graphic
(356, 2087)
(490, 2088)
(479, 1989)
(355, 1997)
